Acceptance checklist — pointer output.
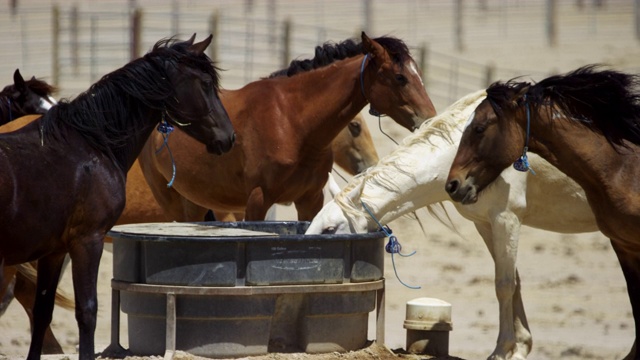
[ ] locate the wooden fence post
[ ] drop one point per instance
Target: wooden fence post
(551, 22)
(55, 39)
(458, 24)
(214, 24)
(73, 34)
(489, 75)
(135, 34)
(286, 43)
(636, 8)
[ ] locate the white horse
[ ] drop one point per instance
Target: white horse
(414, 176)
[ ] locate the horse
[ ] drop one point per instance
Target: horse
(22, 98)
(71, 165)
(285, 126)
(587, 124)
(413, 176)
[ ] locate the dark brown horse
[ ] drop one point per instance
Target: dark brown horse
(285, 127)
(70, 167)
(22, 98)
(587, 124)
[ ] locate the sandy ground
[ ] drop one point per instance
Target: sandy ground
(573, 289)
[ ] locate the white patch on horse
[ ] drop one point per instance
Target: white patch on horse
(415, 70)
(47, 103)
(469, 120)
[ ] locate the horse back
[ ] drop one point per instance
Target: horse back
(69, 190)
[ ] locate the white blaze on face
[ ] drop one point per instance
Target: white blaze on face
(469, 120)
(47, 103)
(415, 70)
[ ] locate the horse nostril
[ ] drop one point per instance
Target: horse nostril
(233, 138)
(452, 186)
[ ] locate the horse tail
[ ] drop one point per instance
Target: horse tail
(30, 273)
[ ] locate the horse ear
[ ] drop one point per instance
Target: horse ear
(371, 47)
(18, 81)
(332, 186)
(200, 47)
(192, 39)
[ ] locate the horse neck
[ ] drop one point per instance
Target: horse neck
(331, 98)
(411, 177)
(575, 150)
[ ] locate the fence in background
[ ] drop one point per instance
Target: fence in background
(73, 46)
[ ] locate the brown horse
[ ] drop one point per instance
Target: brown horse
(70, 166)
(22, 98)
(285, 127)
(587, 124)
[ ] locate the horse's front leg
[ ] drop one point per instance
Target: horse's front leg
(257, 206)
(309, 205)
(49, 269)
(630, 263)
(501, 238)
(85, 261)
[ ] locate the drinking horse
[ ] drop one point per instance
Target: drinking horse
(285, 127)
(70, 167)
(413, 176)
(587, 124)
(22, 98)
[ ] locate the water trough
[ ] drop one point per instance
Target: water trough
(219, 289)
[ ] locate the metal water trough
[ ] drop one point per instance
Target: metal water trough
(231, 289)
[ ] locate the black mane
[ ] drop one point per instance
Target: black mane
(607, 101)
(101, 113)
(331, 52)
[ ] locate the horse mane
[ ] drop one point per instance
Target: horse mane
(605, 101)
(330, 52)
(442, 125)
(101, 113)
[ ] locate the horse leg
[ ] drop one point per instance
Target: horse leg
(501, 238)
(8, 285)
(228, 216)
(25, 291)
(191, 211)
(630, 263)
(256, 206)
(309, 205)
(85, 261)
(49, 269)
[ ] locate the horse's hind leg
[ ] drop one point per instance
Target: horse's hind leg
(25, 291)
(85, 261)
(49, 269)
(7, 291)
(630, 263)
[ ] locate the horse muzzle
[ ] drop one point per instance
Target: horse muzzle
(464, 192)
(220, 147)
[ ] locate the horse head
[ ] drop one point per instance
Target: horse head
(25, 97)
(196, 107)
(391, 82)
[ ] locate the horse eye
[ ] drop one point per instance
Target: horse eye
(401, 79)
(479, 129)
(355, 128)
(329, 230)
